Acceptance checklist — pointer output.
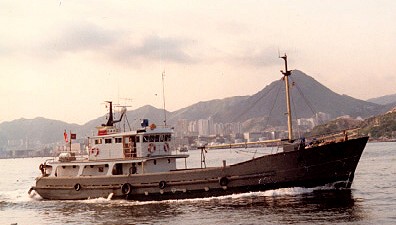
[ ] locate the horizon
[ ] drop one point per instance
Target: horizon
(62, 60)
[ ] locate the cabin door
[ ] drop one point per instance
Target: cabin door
(129, 146)
(133, 145)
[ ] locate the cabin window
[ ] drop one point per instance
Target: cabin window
(168, 137)
(117, 169)
(154, 138)
(108, 141)
(155, 162)
(118, 140)
(98, 141)
(133, 169)
(169, 161)
(151, 138)
(137, 139)
(100, 169)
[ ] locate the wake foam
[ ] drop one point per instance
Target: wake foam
(294, 191)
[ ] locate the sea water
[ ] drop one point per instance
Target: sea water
(371, 200)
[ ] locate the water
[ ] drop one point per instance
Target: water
(371, 200)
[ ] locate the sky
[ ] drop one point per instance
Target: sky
(62, 59)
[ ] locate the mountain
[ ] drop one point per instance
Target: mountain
(25, 133)
(269, 103)
(263, 108)
(384, 100)
(204, 110)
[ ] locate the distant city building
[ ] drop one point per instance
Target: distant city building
(203, 127)
(306, 124)
(322, 117)
(252, 136)
(182, 128)
(309, 123)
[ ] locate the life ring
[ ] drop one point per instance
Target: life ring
(126, 188)
(223, 181)
(151, 147)
(95, 151)
(162, 184)
(77, 187)
(166, 147)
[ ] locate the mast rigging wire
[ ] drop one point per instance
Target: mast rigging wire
(257, 100)
(310, 106)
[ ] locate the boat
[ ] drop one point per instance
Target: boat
(140, 165)
(182, 148)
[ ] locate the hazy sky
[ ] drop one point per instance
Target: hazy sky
(62, 59)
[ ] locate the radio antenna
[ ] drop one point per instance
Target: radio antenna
(163, 95)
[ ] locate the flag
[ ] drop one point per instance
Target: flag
(65, 136)
(73, 136)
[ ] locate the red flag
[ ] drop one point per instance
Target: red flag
(65, 136)
(73, 136)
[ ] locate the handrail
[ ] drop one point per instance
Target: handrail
(244, 144)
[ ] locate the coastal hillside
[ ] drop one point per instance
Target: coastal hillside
(29, 133)
(266, 107)
(381, 127)
(384, 100)
(308, 97)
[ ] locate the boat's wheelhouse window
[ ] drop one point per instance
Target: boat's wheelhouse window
(168, 137)
(152, 138)
(108, 141)
(157, 138)
(98, 141)
(118, 140)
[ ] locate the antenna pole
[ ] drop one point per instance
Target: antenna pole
(286, 75)
(70, 140)
(163, 96)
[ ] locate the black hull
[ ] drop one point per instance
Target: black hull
(333, 163)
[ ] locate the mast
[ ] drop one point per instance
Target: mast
(110, 121)
(286, 75)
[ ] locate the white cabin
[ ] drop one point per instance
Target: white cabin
(135, 144)
(110, 153)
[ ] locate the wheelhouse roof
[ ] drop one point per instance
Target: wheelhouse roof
(137, 132)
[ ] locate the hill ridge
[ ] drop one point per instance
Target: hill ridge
(258, 107)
